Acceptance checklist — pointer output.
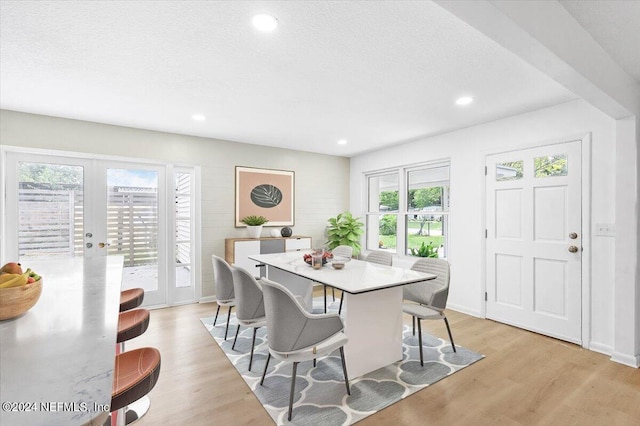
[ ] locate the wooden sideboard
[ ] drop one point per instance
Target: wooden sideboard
(238, 250)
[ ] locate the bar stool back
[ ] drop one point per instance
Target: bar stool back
(132, 324)
(131, 299)
(135, 375)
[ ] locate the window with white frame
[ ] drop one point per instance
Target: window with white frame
(382, 211)
(408, 210)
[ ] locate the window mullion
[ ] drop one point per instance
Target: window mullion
(401, 244)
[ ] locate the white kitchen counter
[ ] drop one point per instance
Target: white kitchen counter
(57, 359)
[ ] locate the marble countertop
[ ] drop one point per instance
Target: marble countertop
(57, 359)
(357, 276)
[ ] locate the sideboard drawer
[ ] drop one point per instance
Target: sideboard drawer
(297, 244)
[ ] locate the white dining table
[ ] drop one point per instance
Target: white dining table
(57, 359)
(372, 310)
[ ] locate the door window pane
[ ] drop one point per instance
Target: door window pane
(552, 165)
(511, 170)
(50, 209)
(132, 224)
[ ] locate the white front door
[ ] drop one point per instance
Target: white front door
(534, 241)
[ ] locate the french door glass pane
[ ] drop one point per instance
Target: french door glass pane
(50, 209)
(183, 227)
(132, 224)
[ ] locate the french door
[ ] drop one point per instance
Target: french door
(534, 239)
(67, 206)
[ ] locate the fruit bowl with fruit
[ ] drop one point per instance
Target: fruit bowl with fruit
(308, 258)
(19, 290)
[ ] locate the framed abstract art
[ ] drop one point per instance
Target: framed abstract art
(265, 192)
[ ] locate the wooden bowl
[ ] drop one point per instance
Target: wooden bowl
(15, 301)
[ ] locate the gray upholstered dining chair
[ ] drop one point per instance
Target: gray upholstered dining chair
(223, 280)
(296, 335)
(249, 304)
(428, 299)
(380, 257)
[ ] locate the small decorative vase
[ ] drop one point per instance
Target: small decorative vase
(254, 231)
(286, 232)
(274, 233)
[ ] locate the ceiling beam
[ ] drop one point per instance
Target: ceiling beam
(545, 34)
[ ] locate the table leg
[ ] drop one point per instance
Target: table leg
(373, 324)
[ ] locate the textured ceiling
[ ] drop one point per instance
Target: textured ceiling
(374, 73)
(615, 25)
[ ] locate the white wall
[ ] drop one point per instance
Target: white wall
(467, 149)
(320, 193)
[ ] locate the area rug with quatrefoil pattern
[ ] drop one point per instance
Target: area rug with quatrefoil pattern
(320, 397)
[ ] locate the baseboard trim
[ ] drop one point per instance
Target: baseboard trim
(629, 360)
(207, 299)
(600, 348)
(464, 310)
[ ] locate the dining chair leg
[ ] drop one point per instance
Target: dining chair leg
(344, 369)
(253, 343)
(420, 342)
(216, 318)
(341, 300)
(226, 330)
(325, 298)
(413, 322)
(450, 336)
(266, 365)
(233, 347)
(293, 388)
(333, 293)
(314, 363)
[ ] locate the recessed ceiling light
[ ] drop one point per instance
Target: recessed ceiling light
(465, 100)
(264, 22)
(342, 142)
(198, 117)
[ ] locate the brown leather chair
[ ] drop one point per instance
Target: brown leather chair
(131, 299)
(136, 373)
(132, 324)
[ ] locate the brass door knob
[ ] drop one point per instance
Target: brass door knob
(103, 245)
(573, 249)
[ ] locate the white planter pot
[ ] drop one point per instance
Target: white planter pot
(254, 231)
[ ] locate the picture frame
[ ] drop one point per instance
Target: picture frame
(265, 192)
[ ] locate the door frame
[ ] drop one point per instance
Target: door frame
(585, 144)
(87, 157)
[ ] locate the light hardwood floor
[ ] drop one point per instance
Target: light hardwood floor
(525, 379)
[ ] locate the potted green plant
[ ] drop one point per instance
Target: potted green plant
(345, 230)
(427, 250)
(254, 225)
